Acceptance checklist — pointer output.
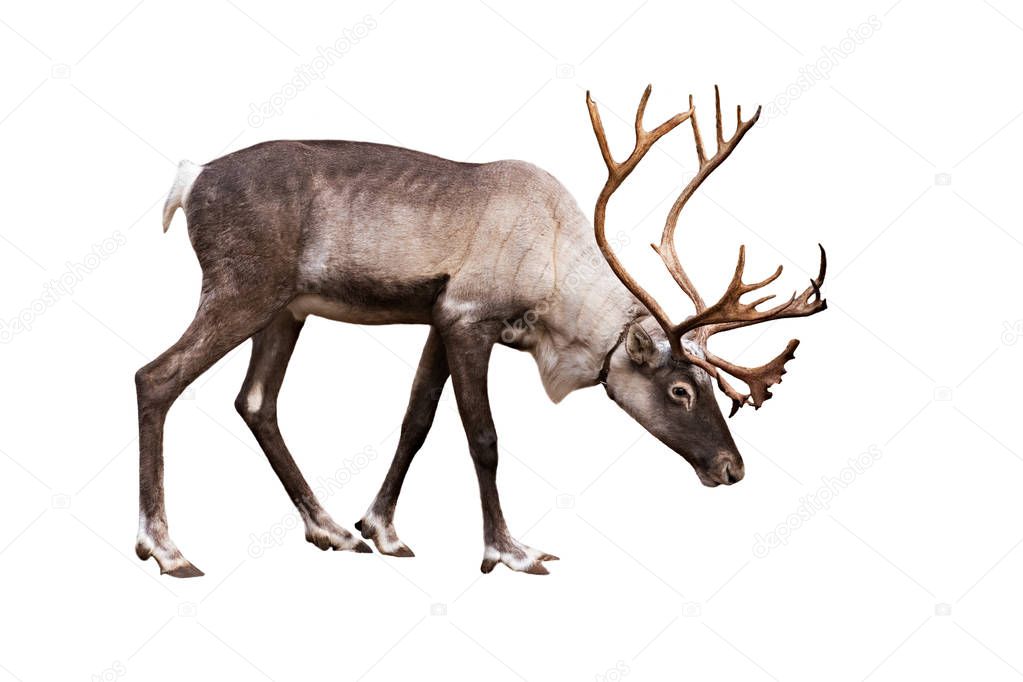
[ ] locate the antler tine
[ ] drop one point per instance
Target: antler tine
(598, 130)
(645, 139)
(730, 313)
(717, 117)
(758, 379)
(616, 174)
(667, 250)
(641, 110)
(700, 155)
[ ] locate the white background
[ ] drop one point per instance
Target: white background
(902, 161)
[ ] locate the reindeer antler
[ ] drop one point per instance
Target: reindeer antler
(616, 174)
(729, 312)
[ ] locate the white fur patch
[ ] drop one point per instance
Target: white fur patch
(144, 538)
(324, 528)
(254, 400)
(562, 370)
(508, 559)
(182, 187)
(315, 262)
(692, 348)
(187, 174)
(383, 535)
(516, 562)
(166, 554)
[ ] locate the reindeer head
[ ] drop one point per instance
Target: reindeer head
(662, 373)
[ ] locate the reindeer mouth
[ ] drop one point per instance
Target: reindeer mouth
(728, 473)
(707, 480)
(711, 482)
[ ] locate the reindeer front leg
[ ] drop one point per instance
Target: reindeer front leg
(468, 351)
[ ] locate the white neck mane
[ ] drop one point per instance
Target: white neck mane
(585, 317)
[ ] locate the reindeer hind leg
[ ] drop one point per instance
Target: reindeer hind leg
(219, 326)
(257, 404)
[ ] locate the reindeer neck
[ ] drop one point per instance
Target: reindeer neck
(588, 312)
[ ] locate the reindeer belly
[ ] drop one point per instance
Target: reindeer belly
(361, 301)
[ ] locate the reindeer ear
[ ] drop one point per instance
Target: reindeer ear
(640, 346)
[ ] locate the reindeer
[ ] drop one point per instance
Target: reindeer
(373, 234)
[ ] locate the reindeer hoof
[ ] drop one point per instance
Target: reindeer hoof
(188, 570)
(516, 556)
(325, 534)
(168, 557)
(383, 536)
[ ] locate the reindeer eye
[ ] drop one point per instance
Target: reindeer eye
(681, 393)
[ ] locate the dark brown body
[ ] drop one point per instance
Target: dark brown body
(377, 231)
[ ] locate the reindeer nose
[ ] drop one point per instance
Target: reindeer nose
(731, 467)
